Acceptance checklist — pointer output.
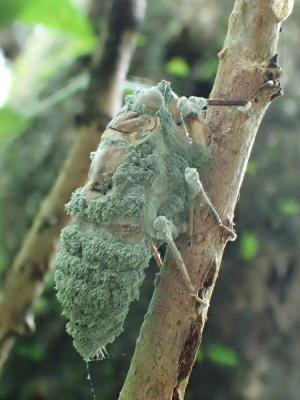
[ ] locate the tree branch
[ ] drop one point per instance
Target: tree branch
(172, 329)
(25, 279)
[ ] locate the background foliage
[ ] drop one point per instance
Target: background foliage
(251, 344)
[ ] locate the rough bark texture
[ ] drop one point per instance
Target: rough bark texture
(25, 279)
(172, 329)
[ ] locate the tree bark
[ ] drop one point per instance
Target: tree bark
(172, 329)
(25, 279)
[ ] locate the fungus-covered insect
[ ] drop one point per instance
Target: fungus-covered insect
(142, 186)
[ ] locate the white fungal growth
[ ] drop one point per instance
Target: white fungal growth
(141, 184)
(192, 105)
(193, 182)
(151, 99)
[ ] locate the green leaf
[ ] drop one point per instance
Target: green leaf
(248, 246)
(11, 123)
(208, 70)
(9, 10)
(223, 355)
(178, 67)
(57, 14)
(32, 351)
(289, 207)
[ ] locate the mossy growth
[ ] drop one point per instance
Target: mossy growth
(97, 277)
(105, 251)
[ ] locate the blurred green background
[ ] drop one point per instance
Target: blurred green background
(251, 345)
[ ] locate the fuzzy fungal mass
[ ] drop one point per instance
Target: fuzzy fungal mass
(137, 174)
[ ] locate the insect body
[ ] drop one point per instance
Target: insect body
(139, 192)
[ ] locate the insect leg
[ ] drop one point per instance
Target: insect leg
(195, 188)
(156, 255)
(165, 230)
(191, 111)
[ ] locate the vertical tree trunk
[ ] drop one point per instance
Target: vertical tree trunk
(172, 329)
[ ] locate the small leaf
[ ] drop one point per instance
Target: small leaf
(11, 123)
(178, 67)
(289, 207)
(223, 355)
(32, 351)
(248, 246)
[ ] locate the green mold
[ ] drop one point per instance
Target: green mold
(105, 251)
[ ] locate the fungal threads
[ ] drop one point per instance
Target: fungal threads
(137, 177)
(89, 379)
